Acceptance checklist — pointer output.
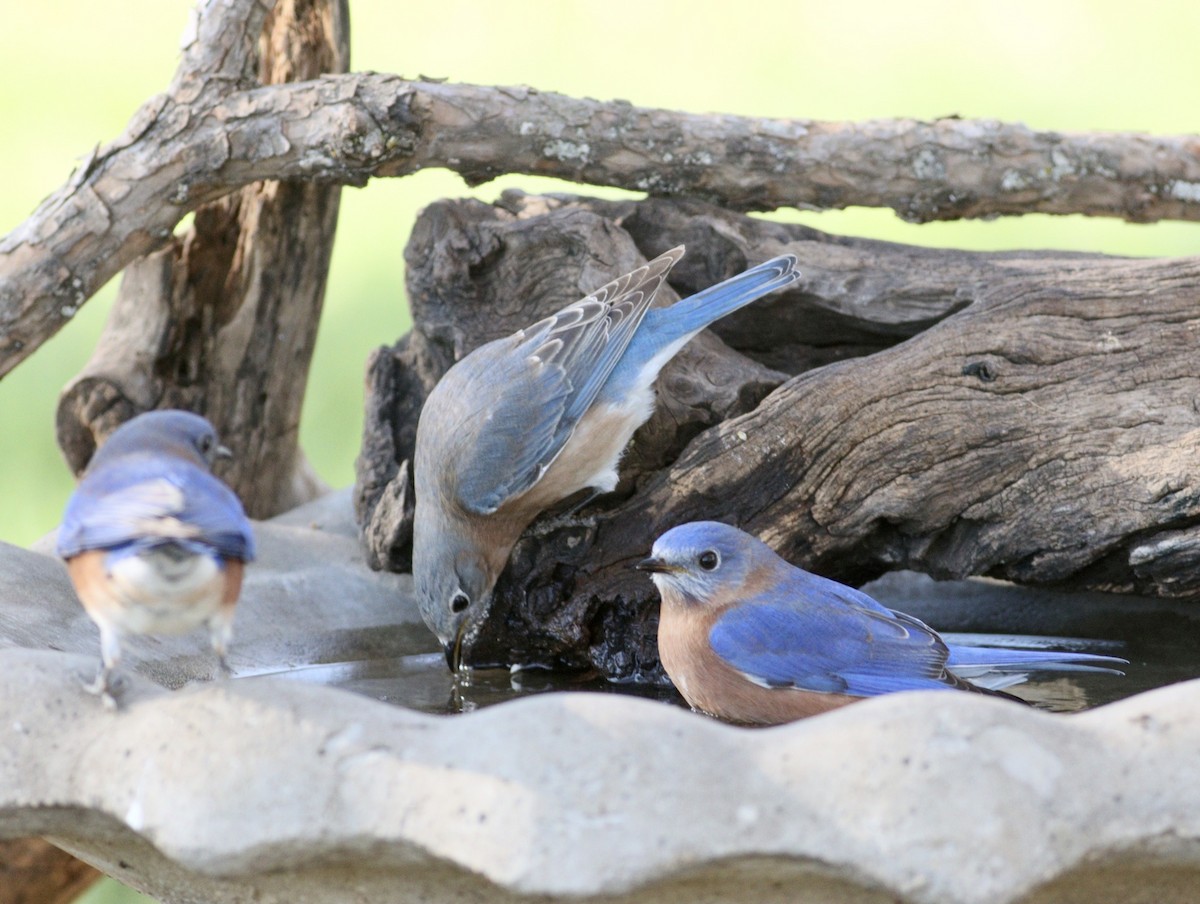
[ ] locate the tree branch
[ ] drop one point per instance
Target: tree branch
(223, 320)
(186, 148)
(220, 49)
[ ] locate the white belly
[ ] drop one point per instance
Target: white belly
(158, 592)
(591, 455)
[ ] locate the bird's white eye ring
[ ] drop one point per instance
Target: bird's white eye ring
(708, 560)
(459, 602)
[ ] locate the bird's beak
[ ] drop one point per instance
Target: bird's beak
(656, 566)
(454, 650)
(223, 452)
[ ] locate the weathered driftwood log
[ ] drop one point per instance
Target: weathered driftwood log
(1038, 424)
(224, 319)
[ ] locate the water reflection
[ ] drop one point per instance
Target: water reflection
(422, 681)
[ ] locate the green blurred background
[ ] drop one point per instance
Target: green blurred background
(75, 70)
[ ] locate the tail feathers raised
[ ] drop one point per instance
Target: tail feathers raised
(694, 313)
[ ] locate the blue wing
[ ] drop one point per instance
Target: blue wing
(830, 648)
(517, 400)
(149, 499)
(798, 584)
(819, 635)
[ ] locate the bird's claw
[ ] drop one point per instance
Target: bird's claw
(105, 686)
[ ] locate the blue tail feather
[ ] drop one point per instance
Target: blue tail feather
(695, 312)
(969, 658)
(663, 331)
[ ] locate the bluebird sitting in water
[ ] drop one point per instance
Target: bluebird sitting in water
(749, 638)
(531, 419)
(154, 543)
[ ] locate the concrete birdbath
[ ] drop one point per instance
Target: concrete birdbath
(277, 787)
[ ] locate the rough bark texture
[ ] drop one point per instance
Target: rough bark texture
(1030, 416)
(33, 871)
(215, 130)
(223, 320)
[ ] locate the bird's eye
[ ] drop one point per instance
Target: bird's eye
(459, 602)
(708, 560)
(205, 444)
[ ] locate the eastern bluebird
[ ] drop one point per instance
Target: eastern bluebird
(749, 638)
(154, 543)
(526, 421)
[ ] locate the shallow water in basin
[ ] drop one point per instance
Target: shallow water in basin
(1160, 640)
(422, 681)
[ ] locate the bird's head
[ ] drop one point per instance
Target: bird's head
(170, 432)
(453, 579)
(703, 561)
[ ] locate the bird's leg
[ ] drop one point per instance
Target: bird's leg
(586, 501)
(564, 514)
(110, 656)
(220, 632)
(101, 687)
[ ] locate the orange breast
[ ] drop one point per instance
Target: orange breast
(712, 686)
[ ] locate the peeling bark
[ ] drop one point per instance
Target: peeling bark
(223, 320)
